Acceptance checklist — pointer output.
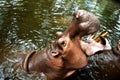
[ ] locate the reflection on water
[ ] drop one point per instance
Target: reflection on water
(28, 24)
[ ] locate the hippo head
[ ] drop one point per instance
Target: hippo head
(69, 50)
(60, 60)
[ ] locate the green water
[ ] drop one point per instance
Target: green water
(31, 24)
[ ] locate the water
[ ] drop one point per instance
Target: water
(31, 24)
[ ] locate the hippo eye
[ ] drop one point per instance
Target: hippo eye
(63, 43)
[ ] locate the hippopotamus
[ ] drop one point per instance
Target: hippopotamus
(58, 61)
(68, 53)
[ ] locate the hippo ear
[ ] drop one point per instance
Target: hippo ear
(59, 34)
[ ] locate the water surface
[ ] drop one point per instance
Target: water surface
(31, 24)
